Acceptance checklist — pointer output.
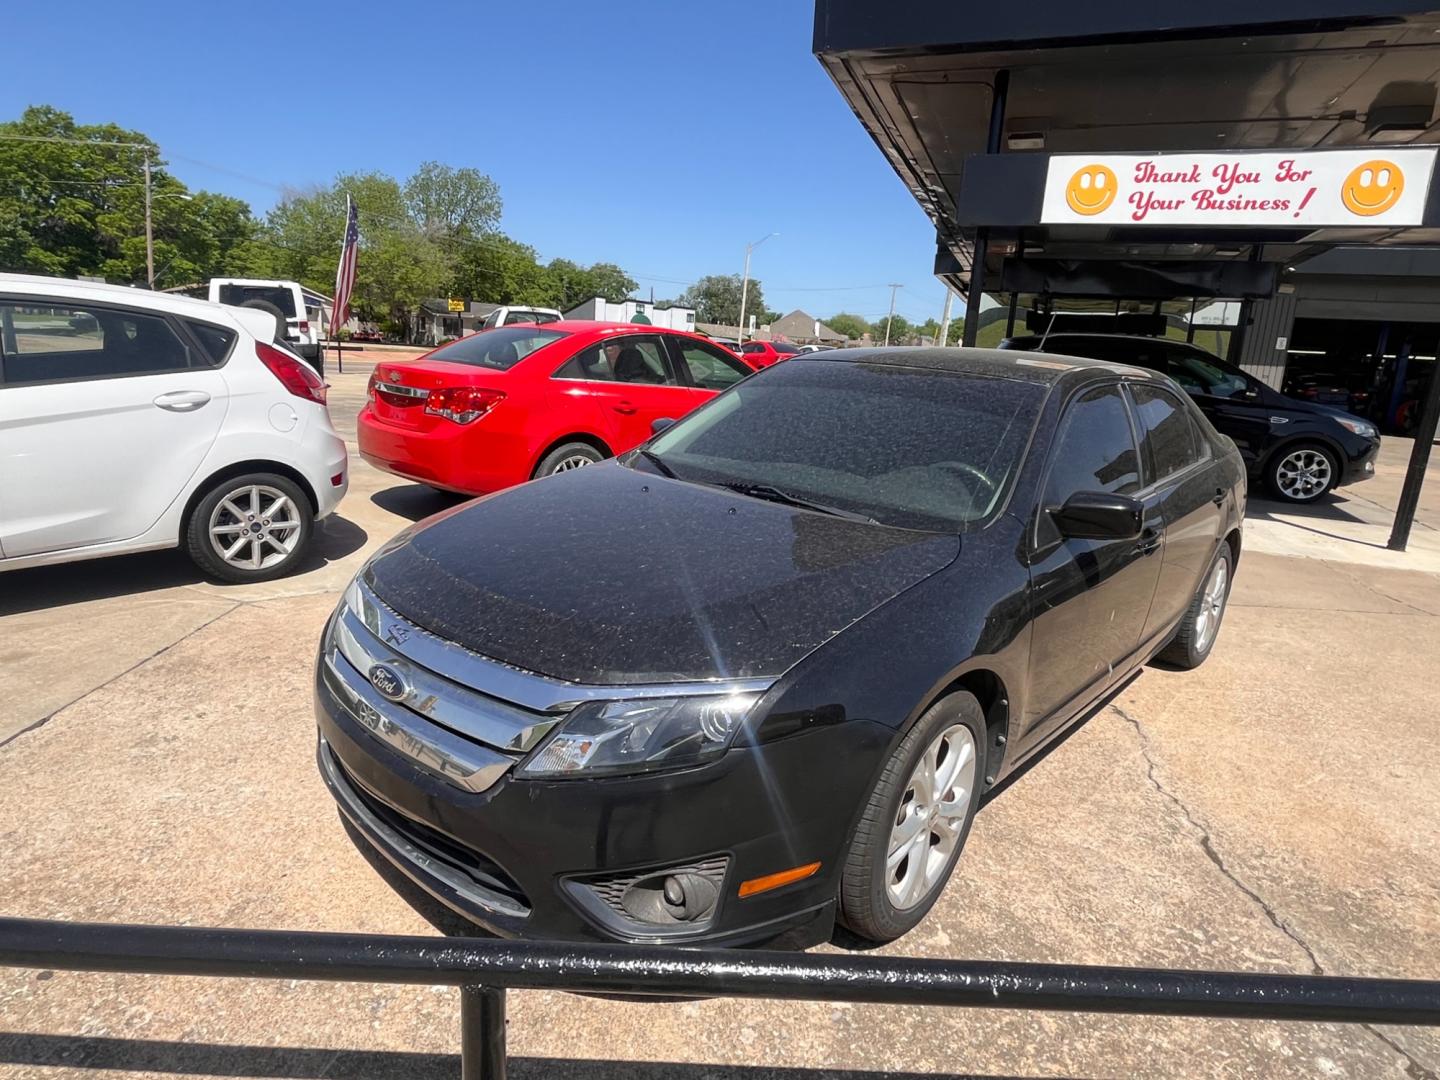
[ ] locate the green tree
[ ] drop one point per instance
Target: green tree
(852, 326)
(444, 201)
(398, 264)
(77, 206)
(900, 330)
(574, 284)
(716, 299)
(503, 271)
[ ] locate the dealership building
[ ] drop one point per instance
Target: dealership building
(1255, 178)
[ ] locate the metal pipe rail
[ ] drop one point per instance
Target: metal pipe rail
(486, 968)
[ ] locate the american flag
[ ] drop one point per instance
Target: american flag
(345, 274)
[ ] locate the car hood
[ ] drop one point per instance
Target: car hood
(607, 575)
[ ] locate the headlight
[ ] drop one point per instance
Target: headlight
(1363, 428)
(608, 737)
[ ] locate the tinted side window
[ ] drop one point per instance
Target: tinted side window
(1198, 375)
(216, 340)
(1166, 432)
(627, 360)
(52, 342)
(753, 347)
(709, 367)
(1095, 448)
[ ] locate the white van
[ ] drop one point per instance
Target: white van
(283, 299)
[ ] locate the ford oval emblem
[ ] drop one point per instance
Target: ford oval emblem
(388, 682)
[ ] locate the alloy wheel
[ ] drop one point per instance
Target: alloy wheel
(574, 461)
(1212, 605)
(255, 527)
(1303, 474)
(931, 817)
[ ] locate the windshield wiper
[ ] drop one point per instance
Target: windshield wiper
(654, 459)
(770, 493)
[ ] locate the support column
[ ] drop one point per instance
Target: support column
(999, 93)
(482, 1033)
(1419, 461)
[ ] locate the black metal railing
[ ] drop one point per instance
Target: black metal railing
(484, 969)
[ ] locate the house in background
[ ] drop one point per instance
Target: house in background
(804, 329)
(435, 322)
(635, 311)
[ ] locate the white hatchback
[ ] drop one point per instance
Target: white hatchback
(132, 420)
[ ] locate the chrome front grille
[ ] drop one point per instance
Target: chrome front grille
(465, 717)
(467, 738)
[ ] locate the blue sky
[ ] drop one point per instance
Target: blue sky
(658, 134)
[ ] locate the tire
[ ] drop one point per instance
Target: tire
(280, 551)
(280, 322)
(1201, 625)
(570, 455)
(1302, 473)
(868, 906)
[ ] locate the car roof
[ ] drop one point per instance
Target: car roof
(596, 326)
(102, 292)
(1034, 367)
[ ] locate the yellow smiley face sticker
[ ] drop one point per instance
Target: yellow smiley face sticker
(1091, 190)
(1372, 188)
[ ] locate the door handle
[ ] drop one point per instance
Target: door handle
(1219, 496)
(624, 408)
(1148, 542)
(182, 400)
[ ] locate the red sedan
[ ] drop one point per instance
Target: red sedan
(764, 353)
(510, 404)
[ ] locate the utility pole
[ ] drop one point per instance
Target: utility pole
(745, 283)
(149, 229)
(945, 319)
(889, 318)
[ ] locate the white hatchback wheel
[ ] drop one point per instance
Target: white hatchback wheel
(255, 527)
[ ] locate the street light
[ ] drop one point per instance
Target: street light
(745, 283)
(149, 229)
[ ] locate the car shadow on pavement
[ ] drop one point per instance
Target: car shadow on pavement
(124, 575)
(416, 501)
(1326, 510)
(304, 1063)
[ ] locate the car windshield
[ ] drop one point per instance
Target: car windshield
(500, 349)
(785, 347)
(908, 447)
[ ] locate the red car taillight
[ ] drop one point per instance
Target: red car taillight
(462, 404)
(304, 327)
(370, 387)
(297, 377)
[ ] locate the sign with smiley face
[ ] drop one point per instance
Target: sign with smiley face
(1310, 188)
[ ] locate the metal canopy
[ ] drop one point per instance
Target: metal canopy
(1114, 76)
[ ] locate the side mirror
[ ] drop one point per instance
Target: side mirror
(1096, 515)
(661, 424)
(1251, 394)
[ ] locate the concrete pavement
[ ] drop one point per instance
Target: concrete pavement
(1273, 811)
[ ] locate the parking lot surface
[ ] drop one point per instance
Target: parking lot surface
(1273, 811)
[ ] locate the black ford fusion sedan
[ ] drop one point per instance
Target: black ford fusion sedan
(756, 676)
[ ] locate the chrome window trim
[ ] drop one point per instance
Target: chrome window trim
(456, 760)
(399, 848)
(539, 693)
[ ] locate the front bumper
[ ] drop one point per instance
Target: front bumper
(519, 857)
(1361, 466)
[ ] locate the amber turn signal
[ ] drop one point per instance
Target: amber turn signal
(774, 881)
